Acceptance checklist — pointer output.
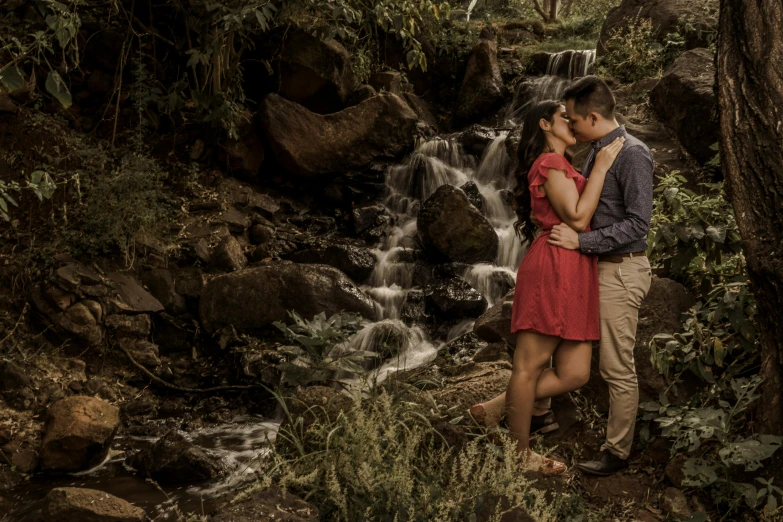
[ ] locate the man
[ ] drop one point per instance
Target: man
(618, 236)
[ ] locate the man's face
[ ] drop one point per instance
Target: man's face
(582, 127)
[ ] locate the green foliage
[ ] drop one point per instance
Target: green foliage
(317, 358)
(40, 184)
(55, 48)
(709, 435)
(383, 460)
(122, 206)
(585, 20)
(694, 236)
(633, 52)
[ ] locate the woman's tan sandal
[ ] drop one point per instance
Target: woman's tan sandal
(482, 416)
(544, 465)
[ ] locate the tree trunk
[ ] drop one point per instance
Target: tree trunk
(554, 7)
(750, 101)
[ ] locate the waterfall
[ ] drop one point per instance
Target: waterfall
(561, 69)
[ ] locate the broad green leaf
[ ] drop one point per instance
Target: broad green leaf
(12, 78)
(57, 88)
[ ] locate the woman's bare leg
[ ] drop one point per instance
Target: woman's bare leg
(571, 372)
(530, 358)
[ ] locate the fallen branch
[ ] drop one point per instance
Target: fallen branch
(180, 388)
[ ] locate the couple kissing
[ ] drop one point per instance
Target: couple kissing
(584, 276)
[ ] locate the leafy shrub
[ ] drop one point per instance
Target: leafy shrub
(383, 460)
(121, 206)
(633, 52)
(710, 435)
(314, 360)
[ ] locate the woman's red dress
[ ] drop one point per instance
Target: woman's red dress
(557, 289)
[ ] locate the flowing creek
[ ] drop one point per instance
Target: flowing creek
(242, 444)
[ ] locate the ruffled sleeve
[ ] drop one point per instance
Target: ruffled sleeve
(539, 175)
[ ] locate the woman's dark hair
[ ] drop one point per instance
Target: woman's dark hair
(531, 145)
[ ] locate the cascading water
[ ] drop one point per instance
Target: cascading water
(562, 68)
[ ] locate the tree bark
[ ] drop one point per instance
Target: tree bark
(543, 11)
(750, 101)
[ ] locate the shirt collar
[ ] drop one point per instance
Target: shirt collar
(609, 138)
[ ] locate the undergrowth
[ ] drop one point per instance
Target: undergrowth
(383, 460)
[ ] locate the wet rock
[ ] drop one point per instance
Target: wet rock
(142, 351)
(355, 262)
(453, 298)
(160, 282)
(314, 73)
(413, 309)
(675, 504)
(666, 301)
(369, 217)
(78, 433)
(482, 88)
(172, 460)
(263, 203)
(471, 190)
(494, 325)
(451, 228)
(693, 20)
(685, 101)
(268, 504)
(276, 288)
(129, 325)
(313, 146)
(228, 255)
(475, 139)
(245, 154)
(88, 505)
(130, 296)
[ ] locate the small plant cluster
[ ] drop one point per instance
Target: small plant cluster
(382, 459)
(40, 184)
(710, 436)
(313, 359)
(634, 52)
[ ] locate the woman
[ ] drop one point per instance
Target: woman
(555, 313)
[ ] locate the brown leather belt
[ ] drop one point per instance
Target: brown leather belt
(618, 258)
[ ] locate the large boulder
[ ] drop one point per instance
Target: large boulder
(315, 73)
(482, 88)
(256, 297)
(78, 433)
(453, 298)
(356, 262)
(450, 227)
(696, 21)
(685, 101)
(88, 505)
(311, 145)
(174, 460)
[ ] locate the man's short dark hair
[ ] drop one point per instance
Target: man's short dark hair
(591, 94)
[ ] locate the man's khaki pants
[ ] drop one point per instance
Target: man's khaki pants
(621, 289)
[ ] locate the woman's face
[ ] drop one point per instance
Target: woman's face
(560, 129)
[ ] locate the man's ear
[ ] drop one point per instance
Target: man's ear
(594, 118)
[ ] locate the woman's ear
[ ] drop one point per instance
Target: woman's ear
(544, 124)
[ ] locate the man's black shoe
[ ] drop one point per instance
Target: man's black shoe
(607, 464)
(543, 423)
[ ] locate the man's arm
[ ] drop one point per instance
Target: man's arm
(635, 176)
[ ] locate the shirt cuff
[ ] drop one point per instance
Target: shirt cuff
(588, 242)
